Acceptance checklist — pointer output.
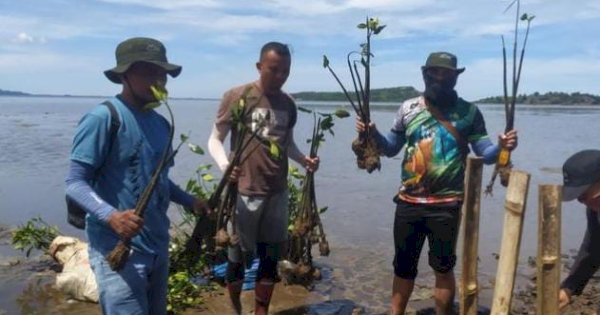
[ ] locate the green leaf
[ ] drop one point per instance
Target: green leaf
(373, 23)
(152, 105)
(378, 29)
(196, 148)
(204, 167)
(362, 26)
(341, 113)
(159, 93)
(325, 62)
(327, 123)
(274, 150)
(208, 177)
(322, 210)
(304, 109)
(183, 137)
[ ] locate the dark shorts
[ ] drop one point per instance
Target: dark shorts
(415, 222)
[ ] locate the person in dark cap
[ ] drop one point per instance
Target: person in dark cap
(437, 129)
(581, 181)
(110, 168)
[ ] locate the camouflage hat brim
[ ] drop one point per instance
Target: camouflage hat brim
(114, 74)
(458, 70)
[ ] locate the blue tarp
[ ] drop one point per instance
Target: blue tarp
(249, 275)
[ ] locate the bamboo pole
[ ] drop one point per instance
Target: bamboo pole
(548, 255)
(514, 205)
(471, 207)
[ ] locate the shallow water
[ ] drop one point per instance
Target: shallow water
(36, 134)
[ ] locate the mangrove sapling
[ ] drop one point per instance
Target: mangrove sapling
(224, 196)
(34, 234)
(119, 255)
(241, 151)
(189, 246)
(503, 164)
(364, 147)
(307, 228)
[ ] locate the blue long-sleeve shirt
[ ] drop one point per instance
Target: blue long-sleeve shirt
(79, 189)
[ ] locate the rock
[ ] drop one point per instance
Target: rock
(9, 261)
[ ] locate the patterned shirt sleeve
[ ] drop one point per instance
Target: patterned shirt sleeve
(478, 130)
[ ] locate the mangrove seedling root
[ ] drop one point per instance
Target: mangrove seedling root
(504, 173)
(222, 238)
(324, 248)
(118, 256)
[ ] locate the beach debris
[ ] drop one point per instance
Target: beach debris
(77, 279)
(503, 165)
(364, 147)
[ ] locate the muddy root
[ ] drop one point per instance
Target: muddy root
(222, 238)
(367, 153)
(118, 256)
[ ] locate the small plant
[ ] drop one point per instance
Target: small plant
(305, 224)
(35, 234)
(503, 163)
(364, 147)
(224, 198)
(183, 293)
(189, 257)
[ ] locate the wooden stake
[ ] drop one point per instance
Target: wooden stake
(514, 205)
(469, 286)
(548, 254)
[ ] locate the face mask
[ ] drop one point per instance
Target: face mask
(440, 90)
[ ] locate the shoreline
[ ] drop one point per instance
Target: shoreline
(353, 283)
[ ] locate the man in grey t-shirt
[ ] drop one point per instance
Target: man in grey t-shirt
(262, 205)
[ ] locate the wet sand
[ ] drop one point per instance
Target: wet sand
(354, 281)
(352, 284)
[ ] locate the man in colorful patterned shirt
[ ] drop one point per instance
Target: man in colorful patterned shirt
(436, 128)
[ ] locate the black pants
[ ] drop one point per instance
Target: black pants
(415, 222)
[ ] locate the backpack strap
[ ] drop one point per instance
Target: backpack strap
(115, 123)
(435, 112)
(75, 214)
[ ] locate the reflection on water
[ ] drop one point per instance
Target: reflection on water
(36, 134)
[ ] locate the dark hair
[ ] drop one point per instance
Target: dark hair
(279, 48)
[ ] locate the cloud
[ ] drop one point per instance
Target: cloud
(169, 4)
(23, 38)
(215, 35)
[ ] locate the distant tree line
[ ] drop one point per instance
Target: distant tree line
(12, 93)
(549, 98)
(395, 94)
(402, 93)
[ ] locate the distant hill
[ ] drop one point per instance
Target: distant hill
(549, 98)
(395, 94)
(12, 93)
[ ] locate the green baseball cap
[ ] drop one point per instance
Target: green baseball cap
(140, 49)
(442, 59)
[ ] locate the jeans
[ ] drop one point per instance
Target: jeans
(140, 288)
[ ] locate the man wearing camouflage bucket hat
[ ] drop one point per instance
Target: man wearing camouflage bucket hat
(116, 148)
(437, 129)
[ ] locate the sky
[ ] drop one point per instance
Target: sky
(63, 46)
